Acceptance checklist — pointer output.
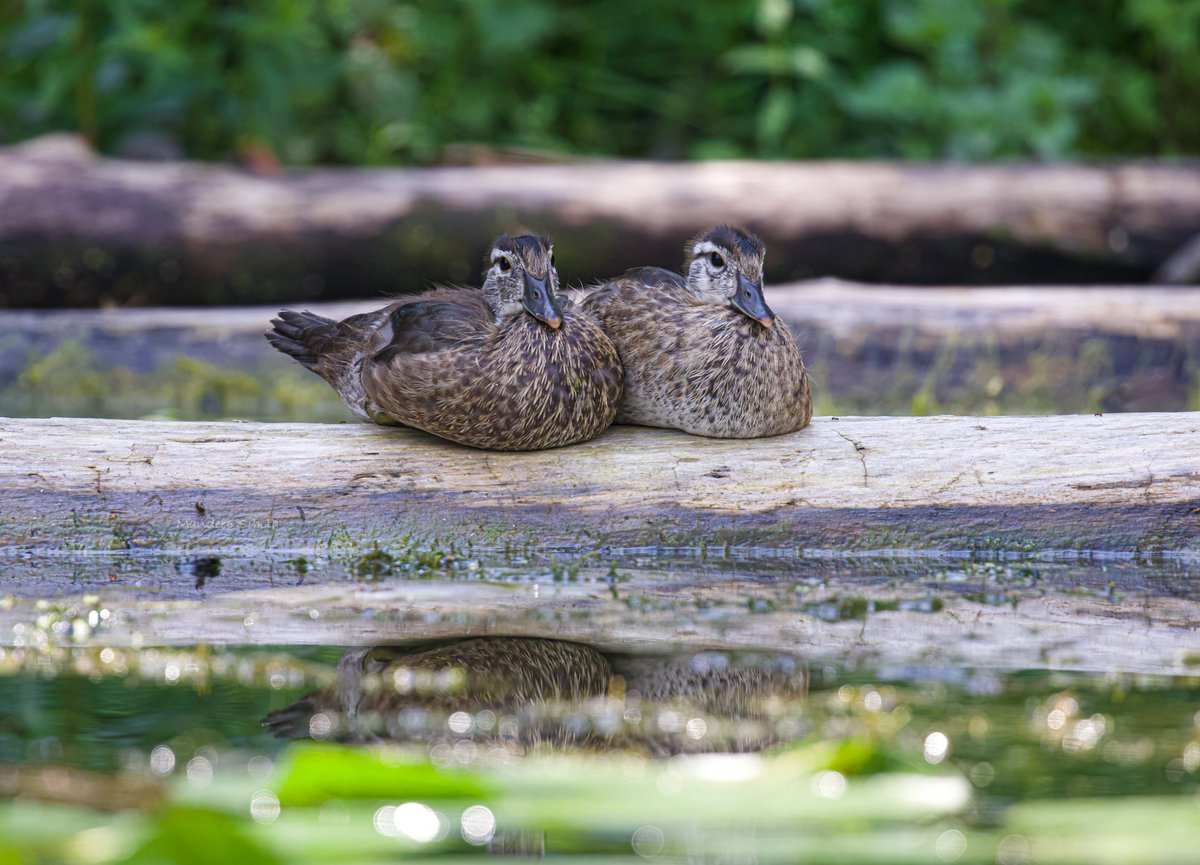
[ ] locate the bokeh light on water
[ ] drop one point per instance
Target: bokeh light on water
(964, 750)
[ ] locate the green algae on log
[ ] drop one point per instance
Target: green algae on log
(871, 350)
(1092, 482)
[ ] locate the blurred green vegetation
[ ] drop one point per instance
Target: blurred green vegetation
(374, 81)
(874, 372)
(71, 380)
(1070, 767)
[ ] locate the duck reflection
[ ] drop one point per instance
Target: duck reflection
(524, 693)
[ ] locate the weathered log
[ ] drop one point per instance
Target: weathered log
(1183, 267)
(841, 307)
(80, 230)
(847, 309)
(872, 350)
(1041, 630)
(1114, 482)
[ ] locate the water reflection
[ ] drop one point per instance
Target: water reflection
(536, 746)
(521, 693)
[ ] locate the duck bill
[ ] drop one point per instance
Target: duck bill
(749, 301)
(540, 303)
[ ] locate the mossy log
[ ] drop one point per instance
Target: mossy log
(871, 349)
(79, 230)
(1079, 483)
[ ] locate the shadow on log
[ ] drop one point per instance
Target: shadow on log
(78, 230)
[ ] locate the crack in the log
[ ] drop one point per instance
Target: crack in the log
(958, 477)
(1143, 484)
(99, 474)
(859, 448)
(499, 482)
(213, 440)
(135, 457)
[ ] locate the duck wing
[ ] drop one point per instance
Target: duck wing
(425, 326)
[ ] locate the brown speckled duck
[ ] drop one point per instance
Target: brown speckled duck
(552, 692)
(705, 354)
(504, 674)
(506, 368)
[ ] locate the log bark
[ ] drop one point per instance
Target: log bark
(1128, 483)
(80, 230)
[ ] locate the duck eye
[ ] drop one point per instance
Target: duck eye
(505, 264)
(552, 259)
(717, 259)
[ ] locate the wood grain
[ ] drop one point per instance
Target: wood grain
(1114, 482)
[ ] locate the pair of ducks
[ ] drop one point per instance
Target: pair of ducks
(518, 367)
(556, 693)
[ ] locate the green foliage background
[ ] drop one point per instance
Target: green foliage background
(377, 81)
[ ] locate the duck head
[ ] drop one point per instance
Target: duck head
(521, 278)
(724, 266)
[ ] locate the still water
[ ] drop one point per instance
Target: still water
(648, 705)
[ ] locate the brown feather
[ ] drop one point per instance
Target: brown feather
(699, 367)
(449, 368)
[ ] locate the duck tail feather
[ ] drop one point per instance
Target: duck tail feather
(291, 722)
(304, 336)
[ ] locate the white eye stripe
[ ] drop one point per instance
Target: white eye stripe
(707, 247)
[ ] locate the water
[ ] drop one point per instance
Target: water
(724, 707)
(714, 705)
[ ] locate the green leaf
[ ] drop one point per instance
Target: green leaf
(317, 773)
(195, 836)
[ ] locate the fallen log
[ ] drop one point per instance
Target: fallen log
(1042, 630)
(872, 349)
(79, 230)
(841, 307)
(1114, 482)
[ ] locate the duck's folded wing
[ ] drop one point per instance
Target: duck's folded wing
(425, 326)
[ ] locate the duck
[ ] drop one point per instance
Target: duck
(703, 353)
(543, 692)
(377, 690)
(508, 367)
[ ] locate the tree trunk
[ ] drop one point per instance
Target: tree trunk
(80, 230)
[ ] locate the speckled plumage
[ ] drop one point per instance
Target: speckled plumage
(508, 675)
(548, 686)
(692, 360)
(475, 367)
